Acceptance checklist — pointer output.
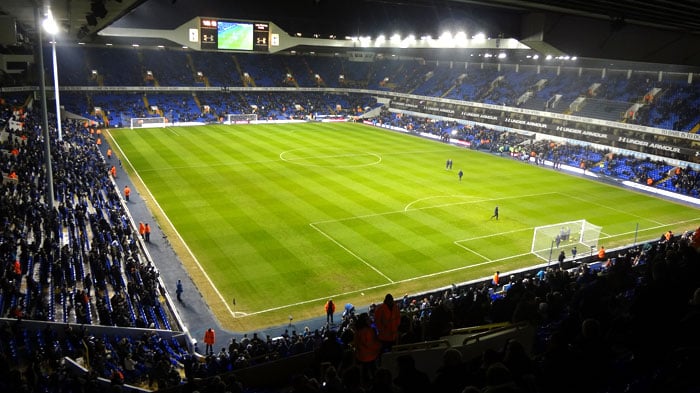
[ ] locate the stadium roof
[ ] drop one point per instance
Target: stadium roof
(652, 31)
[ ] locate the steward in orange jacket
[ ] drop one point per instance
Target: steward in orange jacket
(209, 340)
(387, 318)
(330, 309)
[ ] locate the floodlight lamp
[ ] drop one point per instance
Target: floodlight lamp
(408, 41)
(49, 24)
(460, 39)
(396, 38)
(479, 37)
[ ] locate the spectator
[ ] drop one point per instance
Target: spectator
(387, 318)
(209, 340)
(367, 347)
(409, 379)
(330, 309)
(451, 376)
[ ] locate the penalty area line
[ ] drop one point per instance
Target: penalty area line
(359, 258)
(317, 300)
(473, 252)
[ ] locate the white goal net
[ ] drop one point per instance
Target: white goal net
(548, 241)
(240, 118)
(147, 122)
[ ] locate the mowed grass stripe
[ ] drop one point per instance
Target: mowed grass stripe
(268, 237)
(274, 232)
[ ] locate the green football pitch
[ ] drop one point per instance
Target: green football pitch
(281, 217)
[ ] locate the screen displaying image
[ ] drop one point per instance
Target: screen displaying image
(235, 36)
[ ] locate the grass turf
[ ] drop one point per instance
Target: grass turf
(282, 217)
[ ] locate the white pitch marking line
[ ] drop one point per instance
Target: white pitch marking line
(189, 251)
(391, 282)
(407, 208)
(299, 161)
(359, 258)
(612, 208)
(426, 208)
(473, 252)
(488, 261)
(386, 285)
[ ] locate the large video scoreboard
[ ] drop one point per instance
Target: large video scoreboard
(220, 34)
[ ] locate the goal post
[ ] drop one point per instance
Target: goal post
(549, 240)
(147, 122)
(238, 118)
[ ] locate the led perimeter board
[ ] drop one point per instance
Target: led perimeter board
(220, 34)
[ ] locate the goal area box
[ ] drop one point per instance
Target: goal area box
(548, 241)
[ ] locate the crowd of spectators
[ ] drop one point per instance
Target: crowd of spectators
(79, 262)
(76, 260)
(626, 323)
(666, 102)
(659, 174)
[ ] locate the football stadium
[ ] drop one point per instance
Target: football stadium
(373, 196)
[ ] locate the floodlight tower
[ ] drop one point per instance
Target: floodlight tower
(49, 198)
(51, 27)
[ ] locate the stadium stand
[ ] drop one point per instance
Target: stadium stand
(78, 291)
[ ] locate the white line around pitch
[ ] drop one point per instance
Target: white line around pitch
(189, 251)
(385, 285)
(486, 262)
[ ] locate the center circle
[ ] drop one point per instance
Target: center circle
(330, 158)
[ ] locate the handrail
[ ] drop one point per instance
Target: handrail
(421, 345)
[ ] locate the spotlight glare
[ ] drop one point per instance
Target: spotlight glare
(50, 25)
